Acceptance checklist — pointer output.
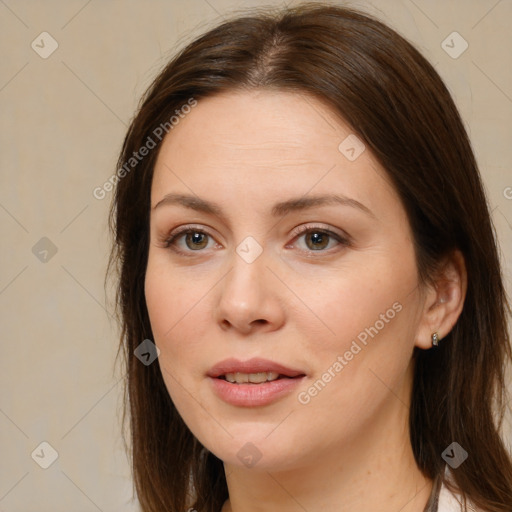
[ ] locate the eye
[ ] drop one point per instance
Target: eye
(189, 239)
(311, 238)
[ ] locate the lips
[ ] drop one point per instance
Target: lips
(230, 366)
(253, 383)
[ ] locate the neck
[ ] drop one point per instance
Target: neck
(375, 470)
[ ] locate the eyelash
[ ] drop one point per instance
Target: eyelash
(170, 241)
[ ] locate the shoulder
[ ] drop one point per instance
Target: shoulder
(452, 502)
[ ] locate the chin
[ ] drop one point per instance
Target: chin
(253, 452)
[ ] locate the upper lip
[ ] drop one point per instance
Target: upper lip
(255, 365)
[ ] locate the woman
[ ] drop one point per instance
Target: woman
(301, 230)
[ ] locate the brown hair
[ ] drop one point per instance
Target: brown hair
(398, 105)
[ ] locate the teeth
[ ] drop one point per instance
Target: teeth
(253, 378)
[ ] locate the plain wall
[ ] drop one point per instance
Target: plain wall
(62, 124)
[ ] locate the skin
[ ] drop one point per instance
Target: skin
(348, 448)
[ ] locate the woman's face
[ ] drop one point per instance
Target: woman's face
(279, 248)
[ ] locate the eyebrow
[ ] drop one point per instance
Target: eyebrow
(278, 210)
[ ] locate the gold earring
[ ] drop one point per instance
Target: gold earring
(435, 339)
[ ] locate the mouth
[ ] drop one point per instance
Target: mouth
(252, 383)
(254, 378)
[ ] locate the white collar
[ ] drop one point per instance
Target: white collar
(450, 502)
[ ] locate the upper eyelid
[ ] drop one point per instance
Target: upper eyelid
(309, 226)
(303, 228)
(187, 228)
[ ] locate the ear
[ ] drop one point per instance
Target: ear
(444, 300)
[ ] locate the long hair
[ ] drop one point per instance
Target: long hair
(395, 101)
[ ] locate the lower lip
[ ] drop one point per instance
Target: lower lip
(254, 395)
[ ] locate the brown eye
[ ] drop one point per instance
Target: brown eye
(311, 239)
(189, 240)
(317, 240)
(196, 240)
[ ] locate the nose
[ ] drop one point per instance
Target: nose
(249, 299)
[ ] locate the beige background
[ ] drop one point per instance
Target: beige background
(63, 120)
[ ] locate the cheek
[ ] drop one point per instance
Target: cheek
(176, 312)
(357, 306)
(177, 316)
(367, 338)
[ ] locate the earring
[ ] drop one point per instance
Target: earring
(435, 339)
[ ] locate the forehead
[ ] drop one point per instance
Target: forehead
(264, 143)
(258, 123)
